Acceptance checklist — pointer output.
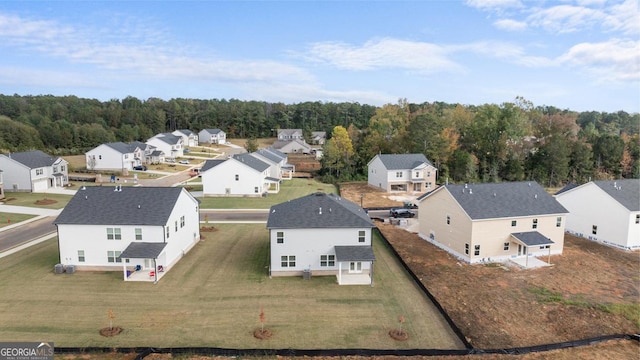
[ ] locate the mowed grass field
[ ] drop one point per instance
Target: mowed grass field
(212, 298)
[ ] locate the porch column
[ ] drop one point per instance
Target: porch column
(339, 273)
(124, 270)
(549, 256)
(371, 272)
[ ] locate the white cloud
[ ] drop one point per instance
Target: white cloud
(383, 53)
(614, 60)
(510, 25)
(494, 4)
(565, 18)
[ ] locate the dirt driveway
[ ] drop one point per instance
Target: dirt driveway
(587, 292)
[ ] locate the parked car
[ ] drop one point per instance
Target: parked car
(401, 213)
(186, 151)
(140, 168)
(184, 162)
(410, 205)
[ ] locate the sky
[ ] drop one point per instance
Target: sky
(581, 55)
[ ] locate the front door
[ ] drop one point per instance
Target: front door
(148, 264)
(355, 267)
(522, 250)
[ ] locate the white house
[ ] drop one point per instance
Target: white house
(1, 186)
(605, 211)
(292, 146)
(290, 134)
(318, 137)
(189, 138)
(212, 136)
(238, 175)
(115, 156)
(143, 231)
(493, 222)
(169, 144)
(33, 171)
(401, 173)
(278, 166)
(321, 234)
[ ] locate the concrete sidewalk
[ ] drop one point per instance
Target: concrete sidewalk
(38, 212)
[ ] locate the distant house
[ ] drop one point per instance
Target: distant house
(169, 144)
(212, 136)
(292, 146)
(142, 231)
(493, 222)
(278, 162)
(321, 234)
(238, 175)
(290, 134)
(605, 211)
(33, 171)
(189, 138)
(116, 156)
(318, 137)
(401, 173)
(1, 186)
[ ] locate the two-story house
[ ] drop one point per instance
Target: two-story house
(115, 156)
(142, 231)
(278, 165)
(212, 136)
(321, 234)
(606, 211)
(290, 134)
(169, 144)
(1, 185)
(493, 222)
(401, 173)
(189, 138)
(33, 171)
(238, 175)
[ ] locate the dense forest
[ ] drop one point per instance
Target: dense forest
(507, 142)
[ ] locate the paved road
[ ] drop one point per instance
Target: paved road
(27, 232)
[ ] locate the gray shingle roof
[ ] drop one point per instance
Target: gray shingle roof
(213, 131)
(354, 253)
(102, 205)
(269, 155)
(402, 161)
(318, 210)
(532, 238)
(279, 144)
(503, 200)
(123, 148)
(626, 192)
(252, 161)
(185, 131)
(210, 164)
(33, 159)
(143, 250)
(169, 138)
(277, 152)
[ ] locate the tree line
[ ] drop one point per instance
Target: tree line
(506, 142)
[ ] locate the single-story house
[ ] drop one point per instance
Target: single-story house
(238, 175)
(142, 231)
(606, 211)
(33, 171)
(189, 138)
(401, 173)
(493, 222)
(212, 136)
(321, 234)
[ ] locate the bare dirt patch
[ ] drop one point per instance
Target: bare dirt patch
(371, 196)
(45, 202)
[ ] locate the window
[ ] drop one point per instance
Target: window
(534, 225)
(255, 189)
(126, 156)
(114, 234)
(176, 225)
(428, 184)
(288, 261)
(39, 171)
(476, 252)
(417, 174)
(638, 219)
(398, 174)
(327, 260)
(594, 229)
(544, 246)
(237, 177)
(138, 234)
(55, 169)
(448, 219)
(280, 237)
(114, 256)
(558, 221)
(99, 157)
(80, 255)
(62, 168)
(428, 173)
(514, 223)
(506, 246)
(182, 221)
(361, 236)
(466, 249)
(168, 231)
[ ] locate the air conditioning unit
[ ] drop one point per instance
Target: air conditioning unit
(71, 269)
(58, 269)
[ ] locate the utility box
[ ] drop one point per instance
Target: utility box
(306, 274)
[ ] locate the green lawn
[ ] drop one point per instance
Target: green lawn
(289, 189)
(212, 297)
(30, 199)
(7, 219)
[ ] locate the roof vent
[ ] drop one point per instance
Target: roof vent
(615, 184)
(535, 196)
(86, 197)
(470, 191)
(320, 211)
(529, 184)
(494, 194)
(138, 206)
(465, 186)
(83, 187)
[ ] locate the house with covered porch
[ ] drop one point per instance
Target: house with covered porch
(494, 222)
(401, 173)
(321, 235)
(33, 171)
(141, 231)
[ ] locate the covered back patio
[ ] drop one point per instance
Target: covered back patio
(525, 240)
(358, 265)
(143, 261)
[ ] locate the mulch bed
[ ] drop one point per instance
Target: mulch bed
(46, 202)
(262, 334)
(111, 331)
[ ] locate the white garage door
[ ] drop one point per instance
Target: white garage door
(40, 185)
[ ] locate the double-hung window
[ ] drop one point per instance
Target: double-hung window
(288, 261)
(138, 233)
(280, 237)
(114, 234)
(327, 260)
(361, 236)
(114, 256)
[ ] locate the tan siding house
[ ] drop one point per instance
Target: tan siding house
(493, 222)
